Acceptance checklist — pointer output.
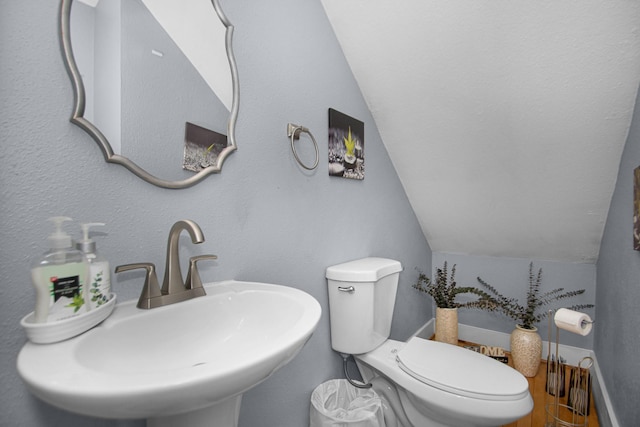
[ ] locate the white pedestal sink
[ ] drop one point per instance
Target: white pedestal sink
(183, 364)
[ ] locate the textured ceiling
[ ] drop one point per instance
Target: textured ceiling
(505, 119)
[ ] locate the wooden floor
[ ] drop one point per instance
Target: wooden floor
(537, 417)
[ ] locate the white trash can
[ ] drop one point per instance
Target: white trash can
(336, 403)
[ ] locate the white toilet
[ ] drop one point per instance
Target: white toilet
(422, 383)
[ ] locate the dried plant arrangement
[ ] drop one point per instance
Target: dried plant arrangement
(529, 314)
(445, 290)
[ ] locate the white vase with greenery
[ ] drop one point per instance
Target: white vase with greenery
(526, 344)
(444, 292)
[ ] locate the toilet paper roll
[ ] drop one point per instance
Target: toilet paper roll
(573, 321)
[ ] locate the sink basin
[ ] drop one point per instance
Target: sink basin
(174, 360)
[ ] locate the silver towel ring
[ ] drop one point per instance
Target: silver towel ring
(293, 132)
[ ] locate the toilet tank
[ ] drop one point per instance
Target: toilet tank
(362, 294)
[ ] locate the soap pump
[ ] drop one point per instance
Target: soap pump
(59, 277)
(99, 283)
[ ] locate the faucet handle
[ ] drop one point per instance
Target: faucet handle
(151, 287)
(193, 277)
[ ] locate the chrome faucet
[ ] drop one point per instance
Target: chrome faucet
(172, 282)
(174, 289)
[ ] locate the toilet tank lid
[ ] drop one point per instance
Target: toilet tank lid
(364, 270)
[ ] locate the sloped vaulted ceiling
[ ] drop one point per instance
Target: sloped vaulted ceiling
(505, 119)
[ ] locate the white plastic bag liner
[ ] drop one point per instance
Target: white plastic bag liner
(336, 403)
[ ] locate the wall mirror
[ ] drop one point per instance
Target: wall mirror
(155, 84)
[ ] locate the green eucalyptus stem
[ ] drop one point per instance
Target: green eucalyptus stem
(445, 290)
(529, 314)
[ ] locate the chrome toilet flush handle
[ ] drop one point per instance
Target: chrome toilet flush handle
(348, 289)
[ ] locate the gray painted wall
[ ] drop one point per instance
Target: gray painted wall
(617, 343)
(266, 218)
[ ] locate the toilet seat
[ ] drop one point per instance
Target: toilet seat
(460, 371)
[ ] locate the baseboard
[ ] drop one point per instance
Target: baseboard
(426, 331)
(573, 355)
(606, 416)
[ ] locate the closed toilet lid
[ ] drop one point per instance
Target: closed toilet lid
(458, 370)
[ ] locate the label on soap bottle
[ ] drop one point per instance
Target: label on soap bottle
(65, 289)
(67, 300)
(99, 284)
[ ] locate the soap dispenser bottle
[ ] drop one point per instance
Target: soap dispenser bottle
(99, 283)
(59, 277)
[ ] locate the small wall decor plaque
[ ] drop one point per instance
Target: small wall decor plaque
(201, 147)
(346, 146)
(636, 209)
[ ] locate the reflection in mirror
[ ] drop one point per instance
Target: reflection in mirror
(146, 70)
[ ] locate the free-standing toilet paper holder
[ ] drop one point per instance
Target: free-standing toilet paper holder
(576, 410)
